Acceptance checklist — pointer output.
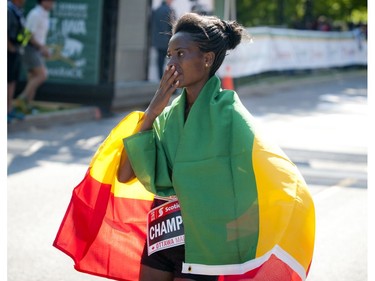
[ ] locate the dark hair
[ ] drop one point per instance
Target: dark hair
(212, 34)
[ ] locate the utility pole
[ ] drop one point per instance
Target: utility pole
(280, 12)
(308, 18)
(226, 9)
(230, 12)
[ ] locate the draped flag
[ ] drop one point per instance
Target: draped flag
(286, 230)
(246, 208)
(104, 227)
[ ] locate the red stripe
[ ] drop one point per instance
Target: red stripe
(103, 234)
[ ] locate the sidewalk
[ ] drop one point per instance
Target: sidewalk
(261, 86)
(61, 116)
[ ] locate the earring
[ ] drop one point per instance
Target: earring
(206, 64)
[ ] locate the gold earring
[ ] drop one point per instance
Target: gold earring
(206, 64)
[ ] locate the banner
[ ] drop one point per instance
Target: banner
(277, 49)
(74, 40)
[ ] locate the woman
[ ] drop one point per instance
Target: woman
(193, 59)
(201, 157)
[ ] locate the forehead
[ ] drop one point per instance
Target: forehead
(182, 40)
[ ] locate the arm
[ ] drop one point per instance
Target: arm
(168, 85)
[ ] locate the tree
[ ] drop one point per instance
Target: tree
(299, 13)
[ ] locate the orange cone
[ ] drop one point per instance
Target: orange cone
(227, 80)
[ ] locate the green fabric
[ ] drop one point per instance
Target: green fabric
(207, 162)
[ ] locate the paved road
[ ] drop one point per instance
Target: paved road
(322, 126)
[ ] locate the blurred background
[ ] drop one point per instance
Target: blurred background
(102, 53)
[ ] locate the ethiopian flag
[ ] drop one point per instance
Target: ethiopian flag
(246, 209)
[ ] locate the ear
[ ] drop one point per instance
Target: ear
(209, 58)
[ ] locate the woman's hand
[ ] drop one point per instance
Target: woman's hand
(45, 51)
(167, 87)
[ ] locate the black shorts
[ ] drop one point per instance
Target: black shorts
(171, 259)
(14, 66)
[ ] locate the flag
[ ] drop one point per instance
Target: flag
(286, 213)
(104, 227)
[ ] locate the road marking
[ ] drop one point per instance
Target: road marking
(33, 148)
(329, 190)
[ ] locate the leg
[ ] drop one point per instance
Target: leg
(151, 274)
(13, 71)
(36, 77)
(11, 112)
(11, 89)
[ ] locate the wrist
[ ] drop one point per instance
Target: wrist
(148, 120)
(150, 115)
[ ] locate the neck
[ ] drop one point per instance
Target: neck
(187, 108)
(192, 92)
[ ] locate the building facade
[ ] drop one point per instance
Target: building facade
(101, 51)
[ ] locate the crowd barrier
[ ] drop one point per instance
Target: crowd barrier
(279, 49)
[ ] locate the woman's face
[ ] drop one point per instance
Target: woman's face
(48, 4)
(189, 61)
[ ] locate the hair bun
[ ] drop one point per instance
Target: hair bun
(233, 30)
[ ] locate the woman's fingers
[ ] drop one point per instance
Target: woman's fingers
(167, 87)
(169, 82)
(172, 82)
(169, 77)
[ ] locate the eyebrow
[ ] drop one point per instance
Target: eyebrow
(180, 48)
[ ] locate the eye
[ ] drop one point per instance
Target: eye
(168, 56)
(180, 53)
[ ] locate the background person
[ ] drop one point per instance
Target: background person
(37, 22)
(161, 23)
(16, 37)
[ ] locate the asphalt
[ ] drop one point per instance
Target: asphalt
(261, 85)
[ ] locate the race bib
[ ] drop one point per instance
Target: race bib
(165, 228)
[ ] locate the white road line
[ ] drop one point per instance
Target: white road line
(33, 148)
(329, 190)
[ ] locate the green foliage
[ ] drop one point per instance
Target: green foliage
(299, 13)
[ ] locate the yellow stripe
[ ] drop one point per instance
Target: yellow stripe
(286, 212)
(132, 190)
(106, 160)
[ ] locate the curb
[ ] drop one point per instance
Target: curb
(268, 87)
(45, 120)
(89, 113)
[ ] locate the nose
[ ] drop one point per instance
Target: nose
(171, 61)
